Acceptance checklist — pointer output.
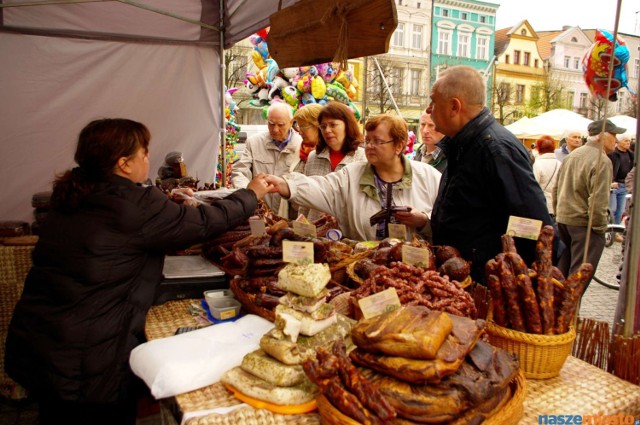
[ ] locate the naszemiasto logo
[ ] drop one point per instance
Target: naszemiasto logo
(619, 419)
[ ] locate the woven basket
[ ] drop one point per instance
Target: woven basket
(248, 305)
(352, 274)
(541, 356)
(510, 413)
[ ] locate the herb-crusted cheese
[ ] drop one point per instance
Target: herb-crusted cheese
(258, 363)
(309, 326)
(307, 280)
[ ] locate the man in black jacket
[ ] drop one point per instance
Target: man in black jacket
(488, 177)
(622, 161)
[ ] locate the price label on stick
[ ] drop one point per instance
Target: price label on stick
(297, 252)
(523, 227)
(257, 226)
(304, 229)
(398, 231)
(417, 256)
(379, 303)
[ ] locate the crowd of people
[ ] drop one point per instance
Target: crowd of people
(99, 258)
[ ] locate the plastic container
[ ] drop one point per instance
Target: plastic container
(222, 304)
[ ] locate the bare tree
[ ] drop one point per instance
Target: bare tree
(236, 61)
(503, 106)
(377, 93)
(548, 94)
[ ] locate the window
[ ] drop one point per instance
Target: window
(570, 95)
(567, 61)
(445, 12)
(482, 48)
(398, 36)
(464, 16)
(506, 59)
(636, 69)
(463, 45)
(516, 57)
(576, 63)
(416, 39)
(395, 81)
(505, 92)
(519, 93)
(483, 19)
(418, 5)
(583, 100)
(444, 42)
(527, 58)
(575, 40)
(523, 32)
(535, 63)
(415, 82)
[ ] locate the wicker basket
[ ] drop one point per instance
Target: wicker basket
(541, 356)
(247, 303)
(510, 413)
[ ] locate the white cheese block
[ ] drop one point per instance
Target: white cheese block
(307, 280)
(260, 389)
(289, 325)
(259, 364)
(309, 326)
(306, 304)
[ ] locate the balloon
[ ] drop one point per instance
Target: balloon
(597, 61)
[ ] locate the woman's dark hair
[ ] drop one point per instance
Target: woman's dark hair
(352, 134)
(101, 144)
(398, 129)
(545, 144)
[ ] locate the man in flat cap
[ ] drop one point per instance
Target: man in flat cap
(584, 181)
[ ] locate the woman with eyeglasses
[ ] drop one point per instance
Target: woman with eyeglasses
(365, 197)
(339, 140)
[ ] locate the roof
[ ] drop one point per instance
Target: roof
(544, 43)
(502, 40)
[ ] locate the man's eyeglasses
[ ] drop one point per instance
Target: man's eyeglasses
(376, 142)
(330, 126)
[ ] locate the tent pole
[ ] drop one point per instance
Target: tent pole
(223, 127)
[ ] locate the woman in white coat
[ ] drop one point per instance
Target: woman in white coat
(360, 190)
(546, 169)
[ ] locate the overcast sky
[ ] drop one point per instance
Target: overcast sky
(545, 15)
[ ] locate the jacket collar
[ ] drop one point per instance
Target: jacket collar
(368, 183)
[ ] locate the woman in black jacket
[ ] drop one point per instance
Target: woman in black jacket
(95, 271)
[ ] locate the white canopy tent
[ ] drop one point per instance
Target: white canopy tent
(555, 123)
(67, 62)
(625, 121)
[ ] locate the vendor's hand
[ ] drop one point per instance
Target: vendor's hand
(185, 196)
(414, 218)
(615, 185)
(280, 185)
(260, 186)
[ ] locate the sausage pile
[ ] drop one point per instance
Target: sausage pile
(346, 388)
(537, 300)
(417, 286)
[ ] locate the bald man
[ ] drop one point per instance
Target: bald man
(572, 142)
(271, 152)
(488, 177)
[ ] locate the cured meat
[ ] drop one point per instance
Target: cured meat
(574, 286)
(497, 297)
(529, 300)
(414, 332)
(510, 288)
(544, 268)
(508, 244)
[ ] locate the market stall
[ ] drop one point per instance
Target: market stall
(580, 389)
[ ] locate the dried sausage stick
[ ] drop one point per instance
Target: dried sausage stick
(508, 244)
(574, 285)
(532, 309)
(491, 270)
(511, 291)
(544, 268)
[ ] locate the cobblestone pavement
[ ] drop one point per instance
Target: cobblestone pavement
(599, 302)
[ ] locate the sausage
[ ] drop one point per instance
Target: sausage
(508, 244)
(510, 287)
(544, 269)
(574, 286)
(528, 295)
(497, 296)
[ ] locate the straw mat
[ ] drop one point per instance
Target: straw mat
(581, 389)
(251, 416)
(163, 320)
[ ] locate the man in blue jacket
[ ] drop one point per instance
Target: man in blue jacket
(488, 177)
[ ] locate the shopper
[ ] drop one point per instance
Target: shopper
(362, 194)
(96, 267)
(488, 176)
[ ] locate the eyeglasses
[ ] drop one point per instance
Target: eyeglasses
(376, 142)
(331, 126)
(297, 127)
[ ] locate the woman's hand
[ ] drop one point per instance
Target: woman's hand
(260, 185)
(279, 184)
(414, 218)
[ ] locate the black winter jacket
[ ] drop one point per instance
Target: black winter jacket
(94, 277)
(488, 178)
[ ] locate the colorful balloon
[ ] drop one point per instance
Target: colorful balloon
(596, 64)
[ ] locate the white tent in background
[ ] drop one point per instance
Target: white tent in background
(627, 122)
(555, 123)
(518, 127)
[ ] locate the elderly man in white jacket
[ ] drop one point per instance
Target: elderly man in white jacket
(271, 152)
(361, 189)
